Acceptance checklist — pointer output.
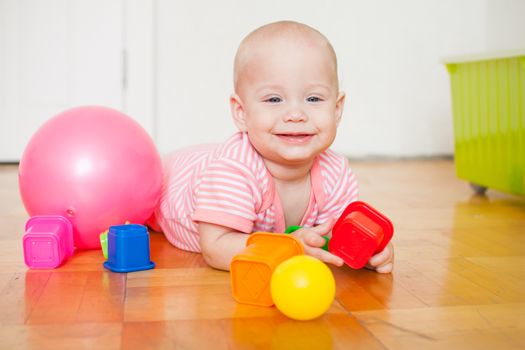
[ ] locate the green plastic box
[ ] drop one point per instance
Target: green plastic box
(488, 101)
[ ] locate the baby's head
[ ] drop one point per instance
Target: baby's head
(282, 35)
(287, 94)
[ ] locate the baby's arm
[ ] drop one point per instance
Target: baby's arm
(220, 244)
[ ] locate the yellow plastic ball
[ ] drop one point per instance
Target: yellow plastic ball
(302, 287)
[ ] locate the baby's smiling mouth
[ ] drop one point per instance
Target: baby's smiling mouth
(295, 137)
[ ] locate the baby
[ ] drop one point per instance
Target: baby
(277, 171)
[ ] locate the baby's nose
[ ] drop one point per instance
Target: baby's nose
(295, 117)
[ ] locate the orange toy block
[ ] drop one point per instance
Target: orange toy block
(252, 269)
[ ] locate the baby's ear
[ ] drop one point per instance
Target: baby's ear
(237, 110)
(339, 105)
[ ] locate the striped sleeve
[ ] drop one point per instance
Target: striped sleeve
(227, 195)
(340, 186)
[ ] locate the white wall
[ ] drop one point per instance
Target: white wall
(180, 53)
(505, 28)
(389, 53)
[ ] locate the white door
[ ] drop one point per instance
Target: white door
(56, 54)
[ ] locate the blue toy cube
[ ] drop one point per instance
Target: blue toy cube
(128, 249)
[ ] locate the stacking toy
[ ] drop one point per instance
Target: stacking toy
(360, 232)
(104, 241)
(48, 241)
(104, 244)
(128, 248)
(252, 269)
(302, 287)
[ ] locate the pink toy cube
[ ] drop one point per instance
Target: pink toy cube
(48, 241)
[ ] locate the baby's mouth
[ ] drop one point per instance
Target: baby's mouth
(295, 138)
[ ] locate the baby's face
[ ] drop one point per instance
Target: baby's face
(290, 99)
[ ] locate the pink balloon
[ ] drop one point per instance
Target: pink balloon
(93, 165)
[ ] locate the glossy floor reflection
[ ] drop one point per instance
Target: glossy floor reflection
(458, 282)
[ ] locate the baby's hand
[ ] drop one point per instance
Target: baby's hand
(313, 242)
(383, 262)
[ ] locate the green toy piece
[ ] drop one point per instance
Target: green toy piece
(104, 243)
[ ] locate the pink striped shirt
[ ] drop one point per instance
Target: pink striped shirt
(229, 185)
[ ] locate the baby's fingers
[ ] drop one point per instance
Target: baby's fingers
(324, 228)
(309, 238)
(383, 261)
(325, 256)
(314, 240)
(387, 268)
(380, 258)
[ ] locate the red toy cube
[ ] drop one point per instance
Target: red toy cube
(360, 232)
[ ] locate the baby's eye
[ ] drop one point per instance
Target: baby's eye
(273, 99)
(313, 99)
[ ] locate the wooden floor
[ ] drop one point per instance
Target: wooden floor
(458, 282)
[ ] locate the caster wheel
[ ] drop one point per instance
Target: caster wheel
(478, 189)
